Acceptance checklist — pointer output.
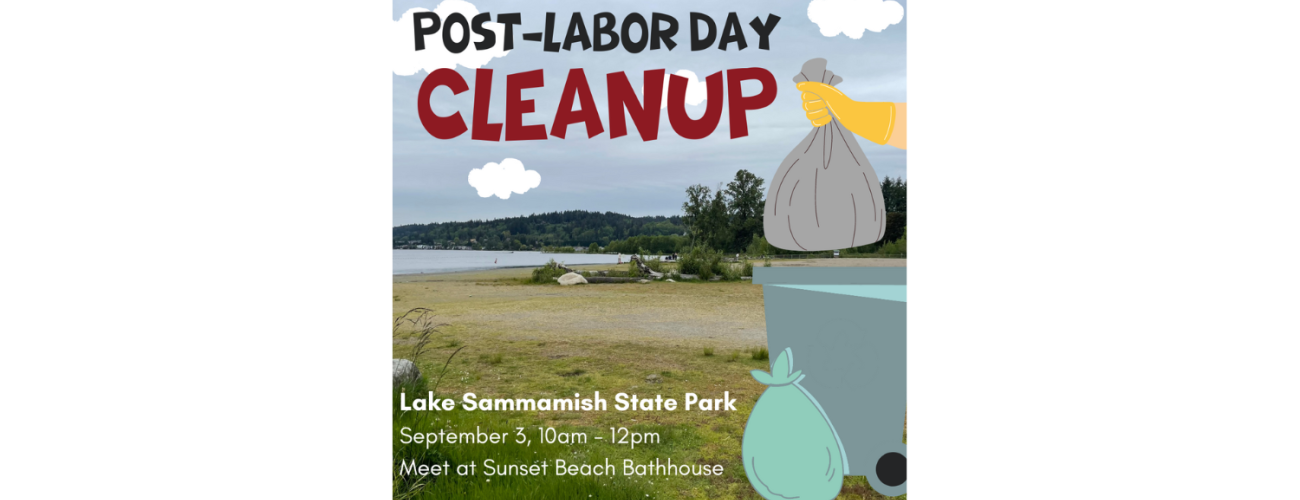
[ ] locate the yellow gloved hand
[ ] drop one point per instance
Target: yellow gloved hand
(872, 120)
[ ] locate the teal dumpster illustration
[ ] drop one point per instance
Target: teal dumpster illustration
(836, 399)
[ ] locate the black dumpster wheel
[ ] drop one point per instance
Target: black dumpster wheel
(891, 468)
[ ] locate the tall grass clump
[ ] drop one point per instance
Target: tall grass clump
(417, 486)
(758, 354)
(708, 351)
(705, 272)
(422, 325)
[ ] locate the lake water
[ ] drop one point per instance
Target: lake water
(449, 261)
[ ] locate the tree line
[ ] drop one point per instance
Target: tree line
(534, 232)
(728, 217)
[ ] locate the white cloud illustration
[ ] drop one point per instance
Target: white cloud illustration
(851, 17)
(408, 61)
(503, 178)
(696, 91)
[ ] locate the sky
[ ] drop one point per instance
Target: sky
(626, 175)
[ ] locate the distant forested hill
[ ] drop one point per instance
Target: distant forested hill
(571, 228)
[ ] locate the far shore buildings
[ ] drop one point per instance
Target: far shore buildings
(417, 245)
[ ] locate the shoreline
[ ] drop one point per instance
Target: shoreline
(456, 263)
(465, 270)
(508, 272)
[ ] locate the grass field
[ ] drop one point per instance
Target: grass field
(520, 340)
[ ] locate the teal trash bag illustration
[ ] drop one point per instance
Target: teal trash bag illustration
(790, 448)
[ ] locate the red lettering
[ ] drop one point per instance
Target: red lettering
(517, 106)
(565, 115)
(681, 122)
(737, 103)
(621, 96)
(442, 127)
(484, 131)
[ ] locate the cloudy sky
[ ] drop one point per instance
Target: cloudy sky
(626, 175)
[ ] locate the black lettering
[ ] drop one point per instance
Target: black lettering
(698, 43)
(489, 36)
(605, 26)
(666, 35)
(764, 29)
(639, 45)
(455, 47)
(550, 45)
(732, 32)
(577, 32)
(509, 20)
(420, 32)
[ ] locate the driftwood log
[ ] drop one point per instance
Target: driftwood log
(612, 279)
(645, 270)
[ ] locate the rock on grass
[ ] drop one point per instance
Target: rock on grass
(404, 371)
(572, 279)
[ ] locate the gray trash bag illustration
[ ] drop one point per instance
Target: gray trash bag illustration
(790, 448)
(825, 195)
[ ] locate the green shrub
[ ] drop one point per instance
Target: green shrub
(713, 260)
(767, 262)
(691, 262)
(900, 245)
(548, 272)
(883, 248)
(758, 354)
(747, 268)
(759, 246)
(702, 261)
(729, 272)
